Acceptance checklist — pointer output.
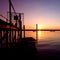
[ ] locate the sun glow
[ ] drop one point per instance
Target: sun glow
(39, 32)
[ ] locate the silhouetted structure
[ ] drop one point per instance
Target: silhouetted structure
(18, 47)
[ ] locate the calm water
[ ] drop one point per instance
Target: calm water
(49, 40)
(46, 40)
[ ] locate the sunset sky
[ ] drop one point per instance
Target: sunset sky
(43, 12)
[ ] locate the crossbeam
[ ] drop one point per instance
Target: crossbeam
(42, 30)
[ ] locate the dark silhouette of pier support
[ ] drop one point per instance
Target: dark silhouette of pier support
(20, 26)
(26, 48)
(36, 32)
(24, 30)
(0, 39)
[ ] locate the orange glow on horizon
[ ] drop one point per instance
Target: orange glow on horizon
(39, 32)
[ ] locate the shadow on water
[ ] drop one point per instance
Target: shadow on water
(25, 48)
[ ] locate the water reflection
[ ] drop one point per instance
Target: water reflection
(46, 40)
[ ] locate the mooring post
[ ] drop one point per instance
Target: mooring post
(24, 30)
(37, 32)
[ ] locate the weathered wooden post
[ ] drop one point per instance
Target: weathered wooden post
(37, 32)
(24, 30)
(15, 18)
(0, 38)
(20, 23)
(10, 18)
(6, 38)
